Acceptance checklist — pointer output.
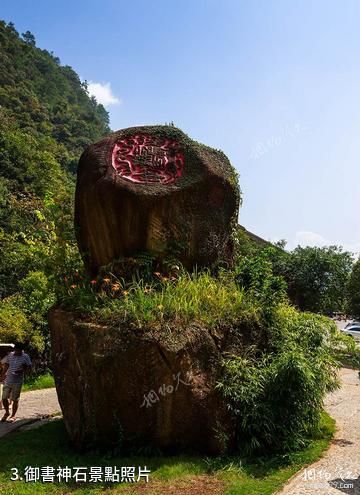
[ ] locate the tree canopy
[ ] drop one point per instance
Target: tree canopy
(316, 277)
(47, 118)
(353, 291)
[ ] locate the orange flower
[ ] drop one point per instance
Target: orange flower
(106, 280)
(115, 287)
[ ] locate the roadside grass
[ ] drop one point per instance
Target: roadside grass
(48, 446)
(42, 381)
(267, 476)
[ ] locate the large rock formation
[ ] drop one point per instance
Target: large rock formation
(146, 189)
(150, 188)
(142, 387)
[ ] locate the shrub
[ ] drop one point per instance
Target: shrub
(15, 325)
(35, 289)
(277, 398)
(255, 275)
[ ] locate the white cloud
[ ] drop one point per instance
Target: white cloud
(308, 238)
(103, 93)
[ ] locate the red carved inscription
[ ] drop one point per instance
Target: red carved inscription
(147, 159)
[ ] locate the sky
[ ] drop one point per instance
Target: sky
(275, 84)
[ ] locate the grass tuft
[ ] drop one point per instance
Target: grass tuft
(188, 298)
(39, 382)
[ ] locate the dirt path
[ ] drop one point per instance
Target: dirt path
(33, 406)
(339, 470)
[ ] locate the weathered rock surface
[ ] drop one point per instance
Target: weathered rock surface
(145, 388)
(150, 188)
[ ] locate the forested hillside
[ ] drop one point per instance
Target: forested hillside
(46, 119)
(46, 98)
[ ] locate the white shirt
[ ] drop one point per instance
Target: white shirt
(15, 372)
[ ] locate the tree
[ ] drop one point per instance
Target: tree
(317, 278)
(255, 274)
(353, 291)
(29, 38)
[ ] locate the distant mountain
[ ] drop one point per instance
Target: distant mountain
(44, 97)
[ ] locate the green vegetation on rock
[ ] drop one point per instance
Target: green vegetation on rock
(284, 369)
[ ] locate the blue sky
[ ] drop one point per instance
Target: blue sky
(274, 84)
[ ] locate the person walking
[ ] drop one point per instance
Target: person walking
(15, 364)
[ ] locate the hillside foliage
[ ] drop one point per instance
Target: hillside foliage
(46, 119)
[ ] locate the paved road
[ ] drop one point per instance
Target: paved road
(33, 406)
(342, 323)
(338, 472)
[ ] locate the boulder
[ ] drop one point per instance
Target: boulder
(152, 188)
(143, 387)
